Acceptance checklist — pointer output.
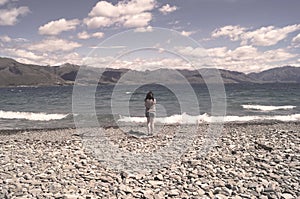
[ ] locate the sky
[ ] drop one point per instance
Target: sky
(240, 35)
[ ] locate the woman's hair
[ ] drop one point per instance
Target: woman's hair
(149, 96)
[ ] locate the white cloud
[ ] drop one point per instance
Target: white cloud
(85, 35)
(2, 2)
(9, 17)
(167, 9)
(144, 29)
(42, 58)
(187, 33)
(133, 13)
(58, 26)
(193, 52)
(233, 32)
(21, 53)
(267, 36)
(97, 22)
(53, 44)
(132, 7)
(140, 64)
(98, 35)
(73, 58)
(106, 9)
(264, 36)
(296, 41)
(244, 58)
(5, 38)
(137, 20)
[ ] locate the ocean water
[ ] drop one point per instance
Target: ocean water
(51, 107)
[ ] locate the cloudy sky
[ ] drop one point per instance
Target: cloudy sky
(242, 35)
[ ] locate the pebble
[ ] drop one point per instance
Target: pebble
(56, 164)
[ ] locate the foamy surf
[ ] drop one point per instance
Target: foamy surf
(205, 118)
(267, 108)
(31, 116)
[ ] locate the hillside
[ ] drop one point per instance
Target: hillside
(281, 74)
(13, 73)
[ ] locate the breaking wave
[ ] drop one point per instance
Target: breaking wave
(205, 118)
(268, 108)
(31, 116)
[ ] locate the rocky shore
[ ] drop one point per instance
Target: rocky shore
(246, 161)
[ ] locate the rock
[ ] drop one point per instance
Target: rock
(174, 192)
(201, 192)
(159, 177)
(155, 183)
(263, 197)
(160, 195)
(35, 191)
(220, 196)
(71, 196)
(287, 196)
(148, 193)
(125, 188)
(106, 179)
(252, 185)
(27, 176)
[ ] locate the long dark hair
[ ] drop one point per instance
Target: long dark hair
(149, 96)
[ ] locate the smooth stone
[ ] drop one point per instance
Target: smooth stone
(173, 192)
(287, 196)
(106, 179)
(159, 177)
(148, 193)
(71, 196)
(27, 176)
(125, 188)
(35, 191)
(156, 183)
(201, 192)
(220, 196)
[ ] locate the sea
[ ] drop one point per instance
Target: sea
(53, 107)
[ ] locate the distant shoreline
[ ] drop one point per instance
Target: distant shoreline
(112, 84)
(227, 124)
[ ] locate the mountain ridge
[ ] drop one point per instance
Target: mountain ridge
(13, 73)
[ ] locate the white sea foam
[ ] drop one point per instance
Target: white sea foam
(267, 108)
(205, 118)
(31, 116)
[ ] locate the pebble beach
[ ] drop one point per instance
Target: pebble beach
(258, 160)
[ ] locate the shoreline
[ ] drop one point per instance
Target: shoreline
(246, 161)
(242, 123)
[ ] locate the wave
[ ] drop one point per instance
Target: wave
(31, 116)
(205, 118)
(268, 108)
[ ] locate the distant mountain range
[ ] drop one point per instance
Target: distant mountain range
(13, 73)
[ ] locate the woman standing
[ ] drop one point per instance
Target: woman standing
(150, 111)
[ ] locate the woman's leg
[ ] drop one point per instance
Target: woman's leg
(151, 125)
(148, 125)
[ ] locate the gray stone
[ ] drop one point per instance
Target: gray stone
(125, 188)
(220, 196)
(148, 193)
(156, 183)
(159, 177)
(287, 196)
(71, 196)
(174, 192)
